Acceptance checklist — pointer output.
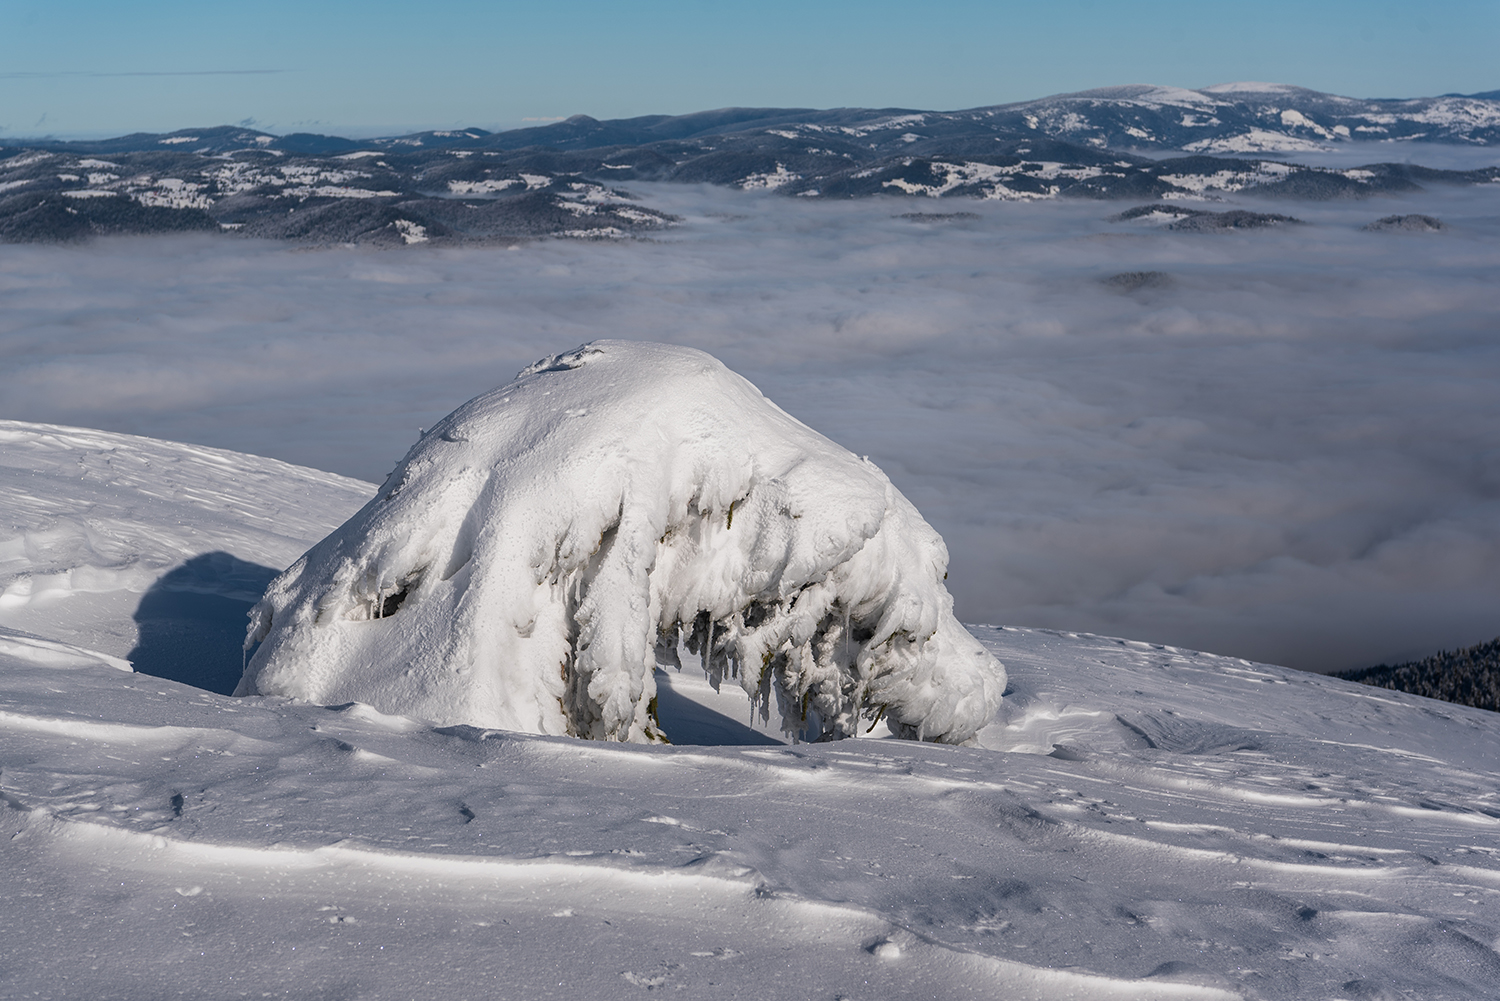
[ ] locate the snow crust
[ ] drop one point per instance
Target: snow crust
(538, 552)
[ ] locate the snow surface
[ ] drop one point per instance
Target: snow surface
(93, 520)
(539, 549)
(1141, 822)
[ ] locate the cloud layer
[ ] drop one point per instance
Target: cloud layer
(1283, 444)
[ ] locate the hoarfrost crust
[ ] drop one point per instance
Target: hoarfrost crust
(538, 552)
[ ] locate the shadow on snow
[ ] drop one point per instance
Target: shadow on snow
(192, 622)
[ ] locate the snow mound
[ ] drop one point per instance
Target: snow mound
(539, 551)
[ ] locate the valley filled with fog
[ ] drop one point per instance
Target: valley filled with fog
(1275, 443)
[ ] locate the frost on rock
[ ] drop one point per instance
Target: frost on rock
(537, 554)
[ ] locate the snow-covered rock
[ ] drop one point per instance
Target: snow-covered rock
(538, 552)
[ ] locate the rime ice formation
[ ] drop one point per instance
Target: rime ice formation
(539, 551)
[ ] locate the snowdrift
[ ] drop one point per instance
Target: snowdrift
(540, 551)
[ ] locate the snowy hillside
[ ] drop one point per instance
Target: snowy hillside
(1140, 822)
(94, 521)
(560, 180)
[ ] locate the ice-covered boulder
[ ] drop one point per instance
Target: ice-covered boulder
(539, 551)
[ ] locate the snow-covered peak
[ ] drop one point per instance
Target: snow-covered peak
(544, 547)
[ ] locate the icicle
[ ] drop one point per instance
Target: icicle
(708, 649)
(846, 635)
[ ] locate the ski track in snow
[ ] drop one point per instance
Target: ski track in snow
(1141, 821)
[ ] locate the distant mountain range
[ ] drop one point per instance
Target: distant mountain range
(563, 179)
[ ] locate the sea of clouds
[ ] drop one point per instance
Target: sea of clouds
(1288, 449)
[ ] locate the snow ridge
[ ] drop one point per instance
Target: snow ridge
(543, 548)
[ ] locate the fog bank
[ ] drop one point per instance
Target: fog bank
(1283, 444)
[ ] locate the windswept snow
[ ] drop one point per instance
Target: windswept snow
(539, 550)
(92, 520)
(1140, 821)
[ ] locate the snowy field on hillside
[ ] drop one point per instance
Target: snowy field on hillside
(1139, 822)
(1282, 444)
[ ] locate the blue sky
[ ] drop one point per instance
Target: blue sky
(93, 68)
